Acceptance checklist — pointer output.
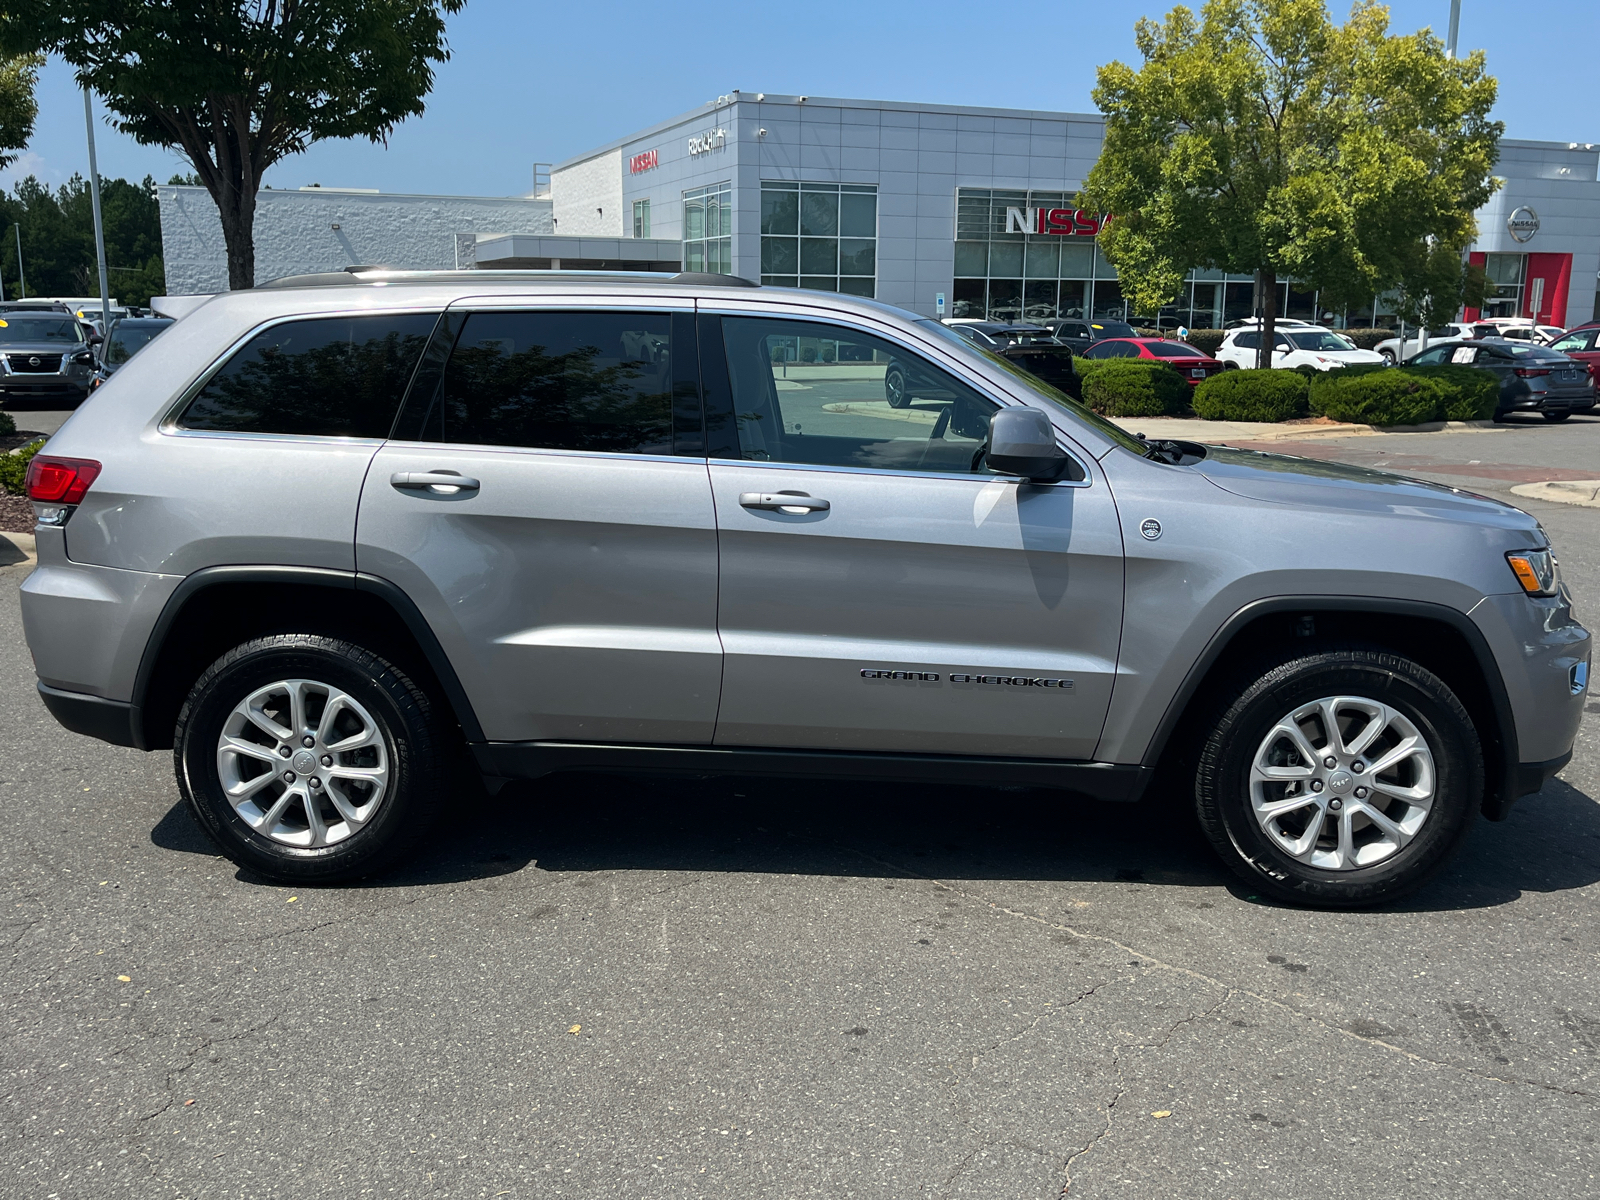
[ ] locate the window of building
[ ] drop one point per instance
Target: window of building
(820, 235)
(327, 377)
(555, 381)
(641, 218)
(708, 229)
(1505, 273)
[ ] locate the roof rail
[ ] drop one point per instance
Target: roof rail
(371, 274)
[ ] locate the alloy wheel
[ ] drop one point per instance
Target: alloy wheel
(303, 763)
(1342, 782)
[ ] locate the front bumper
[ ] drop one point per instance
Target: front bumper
(46, 387)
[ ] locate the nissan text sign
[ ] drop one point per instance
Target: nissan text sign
(647, 161)
(1062, 222)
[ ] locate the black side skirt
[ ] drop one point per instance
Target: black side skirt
(530, 760)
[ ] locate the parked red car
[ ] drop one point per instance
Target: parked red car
(1192, 364)
(1582, 344)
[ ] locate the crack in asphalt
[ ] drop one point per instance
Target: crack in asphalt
(1200, 976)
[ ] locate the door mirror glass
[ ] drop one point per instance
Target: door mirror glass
(1023, 442)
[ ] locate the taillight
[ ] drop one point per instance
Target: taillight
(54, 480)
(1531, 372)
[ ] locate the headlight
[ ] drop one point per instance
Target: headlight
(1536, 571)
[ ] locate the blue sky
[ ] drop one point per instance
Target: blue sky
(542, 82)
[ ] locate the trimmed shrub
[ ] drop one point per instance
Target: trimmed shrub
(14, 467)
(1473, 395)
(8, 424)
(1132, 387)
(1207, 341)
(1252, 395)
(1382, 397)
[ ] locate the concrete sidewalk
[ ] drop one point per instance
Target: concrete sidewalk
(1193, 429)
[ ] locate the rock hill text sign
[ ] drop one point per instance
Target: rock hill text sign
(1062, 222)
(706, 142)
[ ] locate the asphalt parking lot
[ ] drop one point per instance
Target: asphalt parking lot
(603, 987)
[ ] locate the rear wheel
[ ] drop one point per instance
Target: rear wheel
(1388, 356)
(1341, 779)
(309, 759)
(1562, 415)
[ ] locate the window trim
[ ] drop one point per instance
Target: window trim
(1078, 454)
(168, 425)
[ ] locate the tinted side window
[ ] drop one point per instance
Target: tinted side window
(1248, 341)
(832, 396)
(554, 381)
(324, 376)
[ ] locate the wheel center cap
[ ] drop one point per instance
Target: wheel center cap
(304, 762)
(1339, 782)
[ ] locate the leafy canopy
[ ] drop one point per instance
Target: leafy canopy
(1261, 137)
(238, 84)
(17, 107)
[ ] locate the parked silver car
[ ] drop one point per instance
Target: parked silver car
(331, 530)
(45, 357)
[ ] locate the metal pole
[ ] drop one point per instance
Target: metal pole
(1455, 28)
(99, 226)
(21, 278)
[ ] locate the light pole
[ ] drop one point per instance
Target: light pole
(21, 278)
(99, 226)
(1455, 28)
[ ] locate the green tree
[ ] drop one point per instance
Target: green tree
(1263, 139)
(17, 106)
(236, 85)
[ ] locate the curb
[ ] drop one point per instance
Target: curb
(1584, 492)
(16, 548)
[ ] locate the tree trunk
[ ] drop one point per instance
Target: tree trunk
(1267, 289)
(237, 207)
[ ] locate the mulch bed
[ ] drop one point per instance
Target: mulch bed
(16, 512)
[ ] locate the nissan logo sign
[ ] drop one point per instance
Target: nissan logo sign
(1522, 224)
(33, 361)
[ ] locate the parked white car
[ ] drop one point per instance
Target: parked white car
(1299, 345)
(1395, 350)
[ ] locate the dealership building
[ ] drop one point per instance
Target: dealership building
(944, 210)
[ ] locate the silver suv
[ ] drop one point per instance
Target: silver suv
(338, 531)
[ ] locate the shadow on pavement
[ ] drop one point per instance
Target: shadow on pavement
(583, 822)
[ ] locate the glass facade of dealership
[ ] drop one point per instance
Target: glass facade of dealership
(908, 203)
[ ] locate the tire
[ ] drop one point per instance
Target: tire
(1230, 366)
(1388, 356)
(894, 387)
(1557, 416)
(375, 801)
(1345, 859)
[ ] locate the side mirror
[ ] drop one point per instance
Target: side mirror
(1023, 442)
(94, 339)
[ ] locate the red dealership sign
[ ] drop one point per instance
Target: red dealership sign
(643, 162)
(1062, 222)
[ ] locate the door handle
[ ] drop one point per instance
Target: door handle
(790, 502)
(427, 480)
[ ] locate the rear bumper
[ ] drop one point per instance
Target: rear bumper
(93, 716)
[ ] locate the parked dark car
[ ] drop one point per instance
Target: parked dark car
(1532, 378)
(1031, 347)
(1194, 365)
(1080, 332)
(45, 356)
(128, 337)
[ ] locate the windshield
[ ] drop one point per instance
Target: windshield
(1111, 329)
(1523, 350)
(1321, 340)
(125, 343)
(40, 329)
(1032, 337)
(1039, 387)
(1173, 350)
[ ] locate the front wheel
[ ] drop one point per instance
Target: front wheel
(1341, 779)
(309, 759)
(1388, 356)
(1557, 416)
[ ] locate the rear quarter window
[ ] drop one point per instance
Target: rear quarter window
(322, 376)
